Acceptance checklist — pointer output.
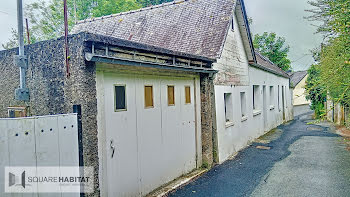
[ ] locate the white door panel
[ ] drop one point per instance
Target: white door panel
(149, 135)
(123, 175)
(152, 145)
(188, 128)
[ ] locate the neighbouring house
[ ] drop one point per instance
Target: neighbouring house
(164, 90)
(298, 82)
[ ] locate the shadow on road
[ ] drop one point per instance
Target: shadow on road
(242, 175)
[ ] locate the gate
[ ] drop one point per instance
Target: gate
(39, 141)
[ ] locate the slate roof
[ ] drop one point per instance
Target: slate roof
(197, 27)
(265, 64)
(296, 77)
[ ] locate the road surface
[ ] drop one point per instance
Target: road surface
(303, 160)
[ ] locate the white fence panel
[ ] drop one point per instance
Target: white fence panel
(68, 138)
(4, 157)
(21, 141)
(39, 142)
(47, 147)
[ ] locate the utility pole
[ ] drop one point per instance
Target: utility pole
(22, 93)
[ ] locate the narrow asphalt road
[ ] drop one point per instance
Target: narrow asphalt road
(304, 160)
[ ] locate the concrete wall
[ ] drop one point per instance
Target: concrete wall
(299, 94)
(234, 137)
(51, 92)
(336, 112)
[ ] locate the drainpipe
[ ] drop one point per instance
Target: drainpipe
(22, 93)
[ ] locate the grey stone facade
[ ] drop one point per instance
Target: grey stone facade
(51, 92)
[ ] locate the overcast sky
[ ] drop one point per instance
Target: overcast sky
(284, 17)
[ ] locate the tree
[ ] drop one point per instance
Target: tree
(334, 58)
(315, 90)
(333, 16)
(274, 48)
(146, 3)
(46, 19)
(107, 7)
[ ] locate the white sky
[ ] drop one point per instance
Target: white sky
(8, 18)
(284, 17)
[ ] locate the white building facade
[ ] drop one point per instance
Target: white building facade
(251, 98)
(298, 81)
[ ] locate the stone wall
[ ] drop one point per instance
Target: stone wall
(51, 92)
(208, 122)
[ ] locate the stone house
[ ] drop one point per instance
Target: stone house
(164, 90)
(141, 105)
(298, 82)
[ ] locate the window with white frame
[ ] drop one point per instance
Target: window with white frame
(255, 97)
(228, 108)
(272, 95)
(243, 105)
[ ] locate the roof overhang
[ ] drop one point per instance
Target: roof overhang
(111, 50)
(245, 31)
(268, 70)
(129, 62)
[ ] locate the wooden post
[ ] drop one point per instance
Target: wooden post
(66, 37)
(27, 28)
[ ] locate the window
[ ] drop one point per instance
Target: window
(228, 107)
(243, 104)
(149, 97)
(119, 98)
(187, 94)
(232, 24)
(283, 99)
(272, 95)
(255, 97)
(171, 95)
(278, 97)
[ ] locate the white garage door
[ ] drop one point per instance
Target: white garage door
(150, 125)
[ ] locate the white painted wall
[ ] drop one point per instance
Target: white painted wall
(233, 63)
(235, 137)
(236, 76)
